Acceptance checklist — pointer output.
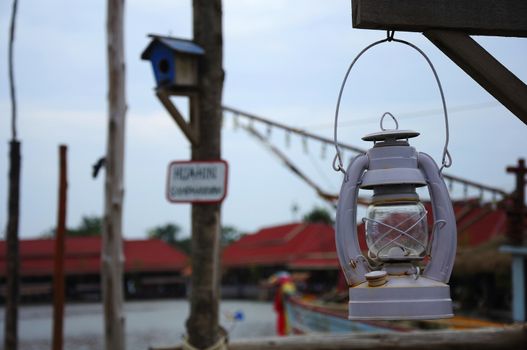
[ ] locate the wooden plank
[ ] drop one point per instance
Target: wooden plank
(481, 339)
(479, 17)
(513, 337)
(483, 68)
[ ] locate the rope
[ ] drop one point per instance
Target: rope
(12, 88)
(290, 130)
(337, 161)
(221, 344)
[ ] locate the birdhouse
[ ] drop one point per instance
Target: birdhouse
(175, 62)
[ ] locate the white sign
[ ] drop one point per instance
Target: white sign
(197, 181)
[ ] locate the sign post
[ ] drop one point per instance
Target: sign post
(197, 181)
(195, 69)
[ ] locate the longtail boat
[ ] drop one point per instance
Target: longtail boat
(305, 315)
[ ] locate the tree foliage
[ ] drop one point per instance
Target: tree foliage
(168, 233)
(89, 226)
(318, 215)
(229, 234)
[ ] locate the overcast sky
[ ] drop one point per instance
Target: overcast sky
(283, 59)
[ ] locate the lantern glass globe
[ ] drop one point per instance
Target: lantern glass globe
(396, 230)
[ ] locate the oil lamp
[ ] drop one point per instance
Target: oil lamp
(405, 272)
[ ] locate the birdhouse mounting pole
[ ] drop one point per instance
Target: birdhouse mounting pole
(206, 114)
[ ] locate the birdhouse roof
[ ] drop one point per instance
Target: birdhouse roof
(176, 44)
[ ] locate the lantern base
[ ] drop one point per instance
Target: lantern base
(401, 298)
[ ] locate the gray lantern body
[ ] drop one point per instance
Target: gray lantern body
(393, 164)
(175, 62)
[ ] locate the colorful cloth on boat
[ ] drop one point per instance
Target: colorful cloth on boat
(286, 288)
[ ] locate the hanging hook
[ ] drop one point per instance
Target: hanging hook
(389, 35)
(339, 166)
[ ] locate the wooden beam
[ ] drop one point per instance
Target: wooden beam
(478, 17)
(187, 129)
(477, 339)
(483, 68)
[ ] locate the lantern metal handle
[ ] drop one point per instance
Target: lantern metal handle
(446, 161)
(348, 249)
(444, 240)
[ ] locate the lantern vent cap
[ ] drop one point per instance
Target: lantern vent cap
(390, 136)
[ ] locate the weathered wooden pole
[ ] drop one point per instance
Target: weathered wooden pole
(112, 257)
(13, 211)
(202, 325)
(12, 256)
(58, 271)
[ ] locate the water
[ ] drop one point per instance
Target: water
(148, 323)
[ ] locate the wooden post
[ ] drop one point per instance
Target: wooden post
(516, 214)
(206, 113)
(12, 256)
(112, 250)
(516, 234)
(58, 277)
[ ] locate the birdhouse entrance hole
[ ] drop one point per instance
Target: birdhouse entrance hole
(164, 66)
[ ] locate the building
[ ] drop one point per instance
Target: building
(152, 269)
(308, 249)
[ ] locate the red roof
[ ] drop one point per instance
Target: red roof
(312, 246)
(82, 255)
(479, 224)
(294, 245)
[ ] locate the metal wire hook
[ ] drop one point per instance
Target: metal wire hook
(393, 118)
(339, 166)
